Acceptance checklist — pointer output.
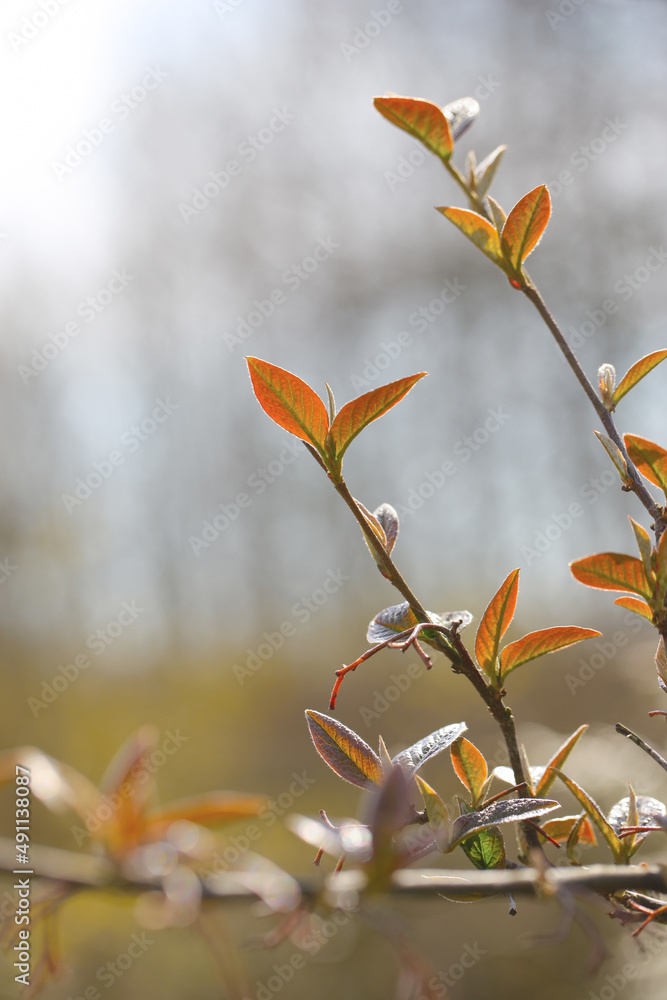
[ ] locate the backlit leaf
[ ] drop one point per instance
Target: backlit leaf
(508, 811)
(650, 459)
(612, 571)
(470, 766)
(637, 372)
(486, 170)
(388, 518)
(345, 752)
(360, 412)
(615, 455)
(399, 618)
(128, 781)
(525, 225)
(661, 571)
(561, 828)
(636, 604)
(643, 544)
(478, 230)
(498, 213)
(206, 810)
(661, 664)
(289, 402)
(557, 760)
(546, 640)
(486, 849)
(438, 816)
(461, 114)
(412, 759)
(596, 815)
(640, 810)
(421, 119)
(495, 622)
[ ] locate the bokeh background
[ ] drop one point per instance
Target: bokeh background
(133, 284)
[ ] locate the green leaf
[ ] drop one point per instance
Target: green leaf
(289, 402)
(615, 455)
(438, 816)
(486, 849)
(508, 811)
(612, 571)
(478, 230)
(650, 459)
(470, 766)
(637, 373)
(525, 225)
(596, 815)
(495, 622)
(360, 412)
(412, 759)
(643, 544)
(535, 644)
(421, 119)
(498, 213)
(557, 760)
(345, 752)
(486, 170)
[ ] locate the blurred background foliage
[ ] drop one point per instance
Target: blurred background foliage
(338, 176)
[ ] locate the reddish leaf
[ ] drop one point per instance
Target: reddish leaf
(525, 225)
(562, 827)
(636, 604)
(546, 640)
(637, 372)
(495, 622)
(358, 413)
(345, 752)
(477, 229)
(612, 571)
(422, 119)
(470, 766)
(650, 459)
(548, 776)
(289, 402)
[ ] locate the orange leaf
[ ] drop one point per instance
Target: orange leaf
(637, 372)
(289, 402)
(422, 119)
(495, 622)
(650, 459)
(470, 766)
(525, 225)
(345, 752)
(212, 808)
(557, 760)
(612, 571)
(546, 640)
(128, 783)
(477, 229)
(561, 828)
(637, 605)
(360, 412)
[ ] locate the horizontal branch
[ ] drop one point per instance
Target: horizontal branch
(85, 871)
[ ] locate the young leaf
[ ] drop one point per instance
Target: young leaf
(546, 640)
(438, 817)
(486, 849)
(495, 622)
(486, 170)
(421, 119)
(506, 774)
(650, 459)
(461, 114)
(509, 811)
(643, 544)
(596, 815)
(661, 664)
(206, 810)
(661, 571)
(470, 766)
(558, 759)
(615, 455)
(637, 372)
(478, 230)
(412, 759)
(561, 828)
(640, 810)
(636, 604)
(388, 518)
(289, 402)
(360, 412)
(345, 752)
(612, 571)
(399, 618)
(525, 225)
(498, 213)
(374, 524)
